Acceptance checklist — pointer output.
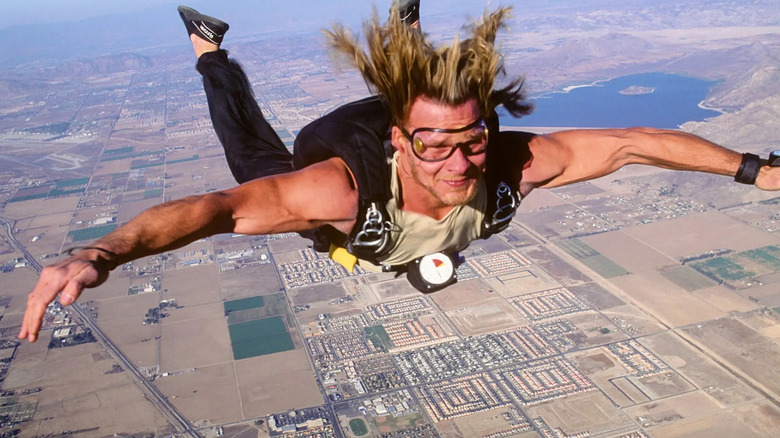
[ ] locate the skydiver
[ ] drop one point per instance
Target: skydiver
(449, 159)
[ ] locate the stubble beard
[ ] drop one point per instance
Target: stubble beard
(452, 198)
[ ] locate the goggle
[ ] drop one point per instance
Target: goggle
(438, 144)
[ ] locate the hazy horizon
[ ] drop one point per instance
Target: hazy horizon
(34, 12)
(46, 32)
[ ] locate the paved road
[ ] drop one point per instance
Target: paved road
(150, 391)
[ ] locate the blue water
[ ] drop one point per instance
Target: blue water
(674, 101)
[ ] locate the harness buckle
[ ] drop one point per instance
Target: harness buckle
(506, 208)
(374, 234)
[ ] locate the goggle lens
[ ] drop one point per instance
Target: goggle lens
(436, 144)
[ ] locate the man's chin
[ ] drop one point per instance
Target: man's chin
(459, 196)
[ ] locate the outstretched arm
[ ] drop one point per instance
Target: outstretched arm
(290, 202)
(567, 157)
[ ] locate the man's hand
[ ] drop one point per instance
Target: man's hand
(70, 277)
(295, 201)
(768, 178)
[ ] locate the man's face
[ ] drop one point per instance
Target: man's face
(452, 181)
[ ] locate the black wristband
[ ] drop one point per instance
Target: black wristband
(748, 169)
(69, 251)
(112, 256)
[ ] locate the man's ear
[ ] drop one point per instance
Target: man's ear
(398, 139)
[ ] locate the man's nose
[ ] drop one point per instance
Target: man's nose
(458, 162)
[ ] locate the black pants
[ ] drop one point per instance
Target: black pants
(252, 147)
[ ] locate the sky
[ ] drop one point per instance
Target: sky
(46, 32)
(24, 12)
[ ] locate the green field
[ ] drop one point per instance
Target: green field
(768, 256)
(591, 258)
(379, 337)
(14, 410)
(184, 160)
(722, 268)
(256, 325)
(283, 133)
(153, 193)
(687, 278)
(358, 426)
(72, 182)
(52, 128)
(248, 309)
(28, 197)
(60, 189)
(119, 151)
(239, 316)
(275, 304)
(577, 248)
(120, 156)
(244, 304)
(737, 270)
(58, 192)
(91, 233)
(604, 266)
(146, 165)
(259, 337)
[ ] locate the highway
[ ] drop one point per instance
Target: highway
(326, 400)
(150, 391)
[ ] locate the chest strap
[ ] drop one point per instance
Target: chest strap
(370, 237)
(502, 207)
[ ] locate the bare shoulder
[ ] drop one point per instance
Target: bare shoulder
(569, 156)
(588, 136)
(555, 152)
(531, 156)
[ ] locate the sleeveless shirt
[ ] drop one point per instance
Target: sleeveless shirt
(415, 235)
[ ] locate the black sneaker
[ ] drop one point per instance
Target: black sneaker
(209, 28)
(409, 10)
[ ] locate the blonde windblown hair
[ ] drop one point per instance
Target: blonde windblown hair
(400, 65)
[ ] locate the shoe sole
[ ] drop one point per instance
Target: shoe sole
(189, 16)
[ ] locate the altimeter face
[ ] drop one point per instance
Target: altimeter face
(436, 268)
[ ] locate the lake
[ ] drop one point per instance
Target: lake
(658, 100)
